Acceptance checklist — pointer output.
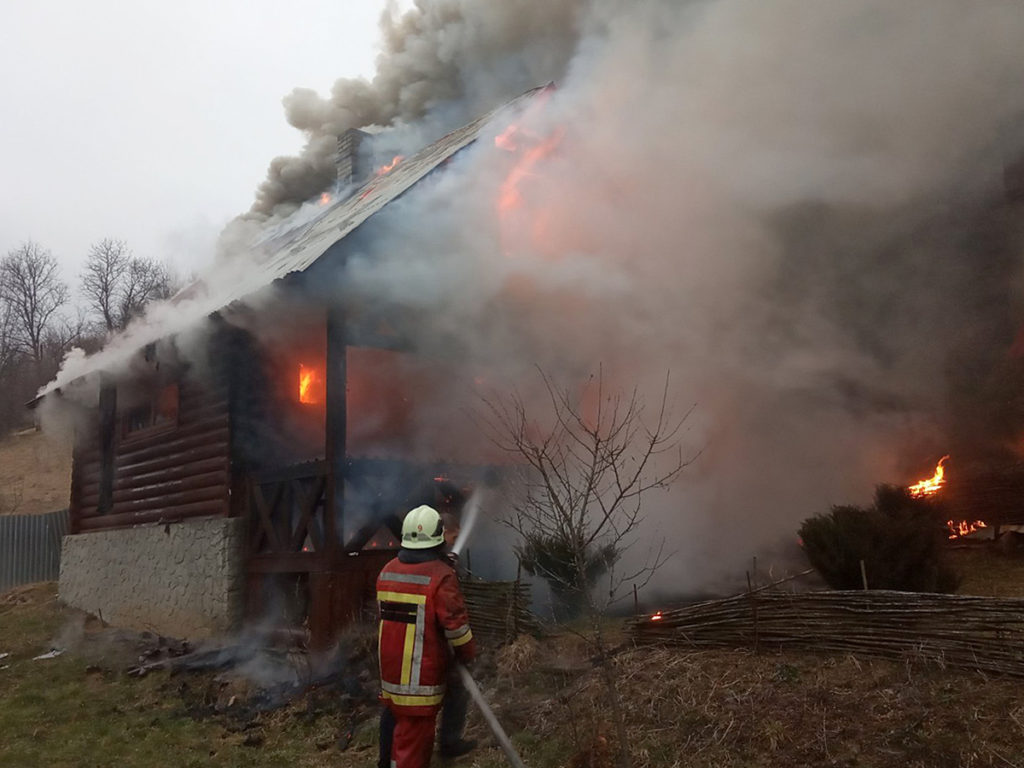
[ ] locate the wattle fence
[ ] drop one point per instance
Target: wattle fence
(30, 547)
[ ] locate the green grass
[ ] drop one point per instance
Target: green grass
(84, 711)
(68, 712)
(721, 708)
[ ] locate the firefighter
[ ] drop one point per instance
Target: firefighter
(423, 622)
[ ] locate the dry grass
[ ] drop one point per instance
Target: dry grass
(989, 573)
(35, 474)
(724, 708)
(735, 708)
(518, 656)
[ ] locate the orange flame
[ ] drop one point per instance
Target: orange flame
(507, 139)
(309, 385)
(657, 616)
(390, 166)
(325, 198)
(931, 485)
(509, 196)
(958, 528)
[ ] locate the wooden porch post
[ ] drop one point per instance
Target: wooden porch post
(323, 621)
(108, 431)
(335, 428)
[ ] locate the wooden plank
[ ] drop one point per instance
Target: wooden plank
(89, 455)
(132, 480)
(200, 399)
(136, 480)
(169, 514)
(91, 469)
(235, 348)
(75, 499)
(167, 501)
(177, 459)
(217, 479)
(206, 413)
(302, 471)
(132, 445)
(336, 425)
(324, 589)
(108, 431)
(173, 443)
(262, 523)
(192, 392)
(308, 503)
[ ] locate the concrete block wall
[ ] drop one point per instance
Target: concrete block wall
(182, 579)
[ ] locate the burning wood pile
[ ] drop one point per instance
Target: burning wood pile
(930, 487)
(983, 633)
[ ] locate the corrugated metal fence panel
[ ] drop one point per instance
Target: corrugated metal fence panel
(30, 547)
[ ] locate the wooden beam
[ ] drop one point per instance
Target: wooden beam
(336, 426)
(108, 442)
(306, 470)
(75, 500)
(166, 515)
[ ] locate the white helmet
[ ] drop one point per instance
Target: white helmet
(422, 528)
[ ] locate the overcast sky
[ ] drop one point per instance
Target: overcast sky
(154, 121)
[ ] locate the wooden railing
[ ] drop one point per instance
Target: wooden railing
(287, 523)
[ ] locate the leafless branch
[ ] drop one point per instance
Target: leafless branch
(33, 293)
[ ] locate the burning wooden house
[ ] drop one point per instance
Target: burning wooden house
(258, 467)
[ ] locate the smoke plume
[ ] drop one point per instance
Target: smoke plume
(796, 208)
(453, 58)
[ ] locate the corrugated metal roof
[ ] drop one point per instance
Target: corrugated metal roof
(288, 251)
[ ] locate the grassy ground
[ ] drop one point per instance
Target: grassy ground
(79, 710)
(709, 708)
(989, 574)
(35, 473)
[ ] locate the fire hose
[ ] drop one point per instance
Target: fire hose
(469, 519)
(499, 733)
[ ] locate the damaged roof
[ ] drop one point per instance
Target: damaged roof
(288, 250)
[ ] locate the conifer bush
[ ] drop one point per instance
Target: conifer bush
(901, 539)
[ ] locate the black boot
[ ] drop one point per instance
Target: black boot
(457, 748)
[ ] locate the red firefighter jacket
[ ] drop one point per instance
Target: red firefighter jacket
(422, 616)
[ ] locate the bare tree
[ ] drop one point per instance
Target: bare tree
(118, 285)
(31, 288)
(105, 268)
(8, 343)
(578, 509)
(146, 281)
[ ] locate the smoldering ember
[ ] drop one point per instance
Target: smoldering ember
(698, 325)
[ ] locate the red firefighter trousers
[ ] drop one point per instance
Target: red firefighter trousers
(413, 741)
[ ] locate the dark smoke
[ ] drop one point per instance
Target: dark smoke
(460, 56)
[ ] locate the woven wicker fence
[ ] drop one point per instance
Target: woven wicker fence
(985, 633)
(499, 610)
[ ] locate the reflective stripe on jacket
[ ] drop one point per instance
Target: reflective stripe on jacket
(422, 616)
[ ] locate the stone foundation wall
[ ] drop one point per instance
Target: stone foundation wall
(183, 579)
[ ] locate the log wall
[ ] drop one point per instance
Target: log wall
(163, 474)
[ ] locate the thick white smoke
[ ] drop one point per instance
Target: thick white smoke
(792, 207)
(772, 201)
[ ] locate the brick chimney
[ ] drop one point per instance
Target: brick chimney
(349, 162)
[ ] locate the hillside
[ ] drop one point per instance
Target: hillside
(35, 474)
